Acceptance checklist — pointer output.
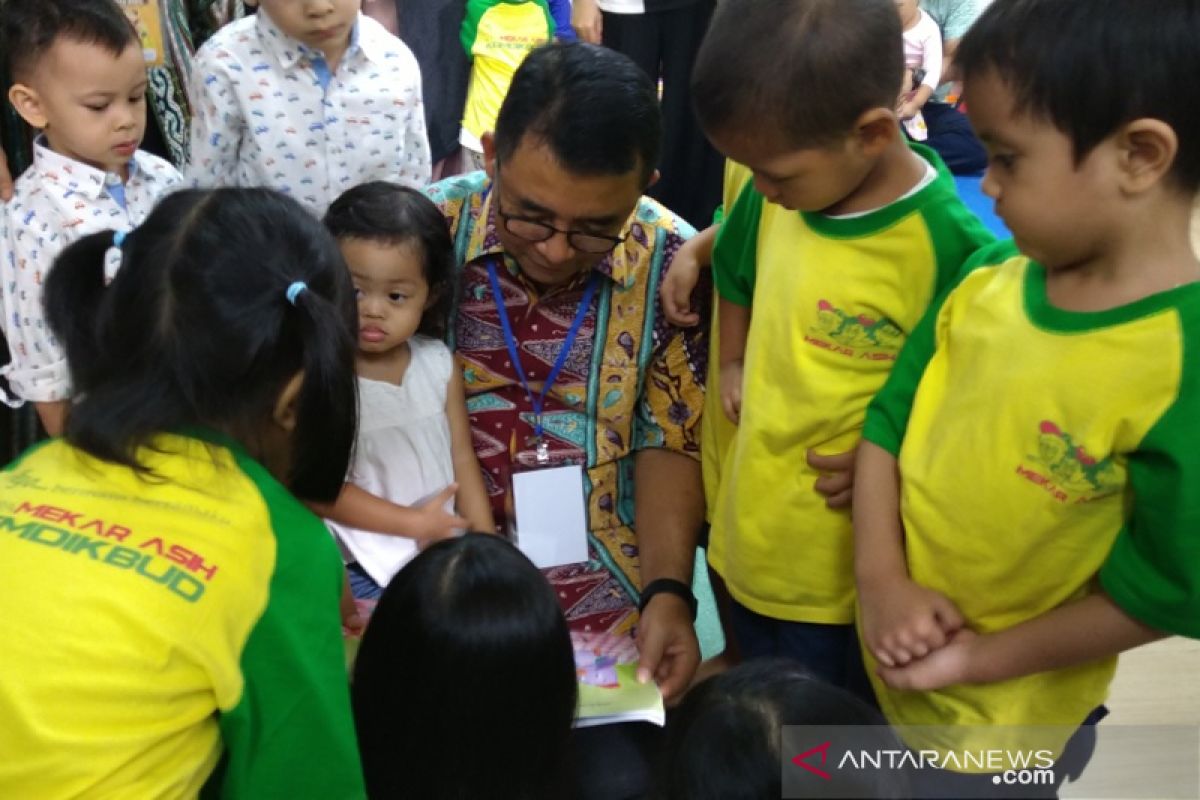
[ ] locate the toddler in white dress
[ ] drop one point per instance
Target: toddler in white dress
(414, 465)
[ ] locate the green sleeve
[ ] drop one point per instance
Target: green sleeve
(292, 734)
(1153, 571)
(888, 413)
(735, 254)
(470, 26)
(955, 232)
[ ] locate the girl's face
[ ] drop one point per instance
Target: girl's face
(391, 290)
(909, 11)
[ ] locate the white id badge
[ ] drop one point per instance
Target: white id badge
(551, 517)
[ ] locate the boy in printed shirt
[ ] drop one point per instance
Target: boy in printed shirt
(309, 97)
(840, 244)
(1026, 501)
(79, 78)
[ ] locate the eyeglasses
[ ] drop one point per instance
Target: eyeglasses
(532, 230)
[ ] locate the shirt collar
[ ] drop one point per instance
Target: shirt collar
(617, 266)
(289, 51)
(80, 177)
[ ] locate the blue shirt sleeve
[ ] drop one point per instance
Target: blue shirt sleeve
(561, 11)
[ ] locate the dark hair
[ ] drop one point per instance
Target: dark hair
(196, 330)
(32, 26)
(803, 70)
(726, 740)
(392, 214)
(594, 107)
(1089, 66)
(464, 686)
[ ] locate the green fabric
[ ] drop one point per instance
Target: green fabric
(1153, 571)
(888, 413)
(734, 259)
(301, 693)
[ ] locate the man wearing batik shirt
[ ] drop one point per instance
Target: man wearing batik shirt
(311, 105)
(560, 221)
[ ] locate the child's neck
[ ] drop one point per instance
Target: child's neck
(897, 170)
(911, 22)
(1149, 253)
(389, 366)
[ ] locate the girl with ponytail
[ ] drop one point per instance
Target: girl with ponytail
(170, 608)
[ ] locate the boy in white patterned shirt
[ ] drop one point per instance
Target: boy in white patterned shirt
(309, 97)
(79, 77)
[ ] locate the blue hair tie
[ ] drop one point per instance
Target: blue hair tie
(118, 238)
(294, 291)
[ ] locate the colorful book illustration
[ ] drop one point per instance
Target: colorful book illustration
(606, 668)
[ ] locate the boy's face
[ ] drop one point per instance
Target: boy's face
(808, 179)
(321, 24)
(1059, 212)
(90, 103)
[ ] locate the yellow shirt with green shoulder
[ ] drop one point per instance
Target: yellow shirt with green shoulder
(1039, 450)
(833, 300)
(170, 633)
(497, 35)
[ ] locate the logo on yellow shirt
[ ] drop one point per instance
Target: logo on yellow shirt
(855, 335)
(1067, 471)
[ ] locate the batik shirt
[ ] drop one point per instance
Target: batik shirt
(57, 201)
(269, 112)
(631, 381)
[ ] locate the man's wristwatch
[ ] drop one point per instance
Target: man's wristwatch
(669, 586)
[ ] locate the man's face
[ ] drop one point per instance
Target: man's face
(531, 184)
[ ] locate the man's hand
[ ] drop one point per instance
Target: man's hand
(903, 622)
(837, 476)
(6, 180)
(587, 20)
(667, 647)
(945, 667)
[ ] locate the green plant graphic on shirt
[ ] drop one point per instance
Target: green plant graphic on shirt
(861, 331)
(1071, 465)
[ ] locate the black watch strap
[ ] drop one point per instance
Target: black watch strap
(670, 586)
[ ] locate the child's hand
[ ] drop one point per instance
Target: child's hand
(731, 390)
(945, 667)
(837, 476)
(435, 523)
(903, 621)
(352, 622)
(676, 290)
(907, 109)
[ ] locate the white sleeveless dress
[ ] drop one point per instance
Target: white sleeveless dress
(403, 452)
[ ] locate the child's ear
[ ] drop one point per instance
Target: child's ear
(284, 414)
(488, 140)
(1147, 149)
(28, 104)
(875, 130)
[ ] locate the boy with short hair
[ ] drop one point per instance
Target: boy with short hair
(79, 78)
(1026, 501)
(310, 97)
(840, 245)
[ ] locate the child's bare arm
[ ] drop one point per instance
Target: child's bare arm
(901, 620)
(352, 621)
(472, 494)
(682, 276)
(1092, 628)
(53, 415)
(358, 508)
(734, 324)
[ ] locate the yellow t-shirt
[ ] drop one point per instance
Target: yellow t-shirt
(497, 35)
(833, 301)
(151, 624)
(1038, 450)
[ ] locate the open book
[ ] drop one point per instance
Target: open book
(606, 668)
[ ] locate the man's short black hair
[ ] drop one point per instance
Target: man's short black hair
(31, 27)
(804, 70)
(1090, 66)
(594, 107)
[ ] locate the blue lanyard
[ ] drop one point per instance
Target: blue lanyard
(539, 401)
